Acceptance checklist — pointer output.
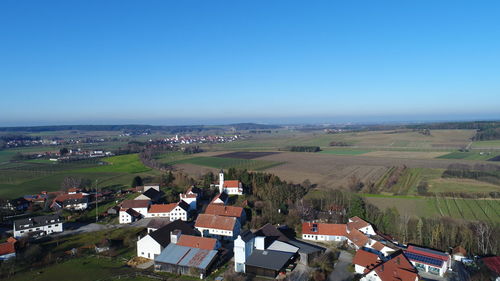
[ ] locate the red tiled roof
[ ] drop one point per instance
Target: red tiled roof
(378, 246)
(365, 259)
(428, 252)
(232, 183)
(62, 197)
(324, 229)
(7, 248)
(459, 250)
(162, 208)
(135, 204)
(74, 189)
(11, 240)
(203, 243)
(221, 210)
(357, 237)
(215, 222)
(493, 263)
(397, 268)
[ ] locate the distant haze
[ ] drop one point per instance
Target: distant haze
(219, 62)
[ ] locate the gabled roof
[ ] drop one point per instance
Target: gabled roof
(74, 189)
(157, 223)
(357, 223)
(428, 253)
(324, 229)
(378, 246)
(135, 204)
(36, 221)
(365, 259)
(162, 208)
(153, 194)
(64, 197)
(162, 235)
(133, 213)
(398, 267)
(247, 235)
(357, 237)
(270, 230)
(203, 243)
(186, 256)
(222, 210)
(232, 184)
(221, 196)
(215, 222)
(493, 263)
(274, 260)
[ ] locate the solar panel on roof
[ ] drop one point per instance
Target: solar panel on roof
(424, 259)
(430, 251)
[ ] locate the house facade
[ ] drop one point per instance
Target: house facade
(231, 187)
(38, 226)
(428, 260)
(219, 227)
(324, 231)
(227, 211)
(139, 210)
(173, 211)
(190, 197)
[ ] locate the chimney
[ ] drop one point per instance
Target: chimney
(174, 236)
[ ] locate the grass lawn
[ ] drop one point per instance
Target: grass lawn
(471, 155)
(461, 185)
(129, 163)
(226, 163)
(495, 144)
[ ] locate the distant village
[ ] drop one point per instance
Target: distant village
(182, 238)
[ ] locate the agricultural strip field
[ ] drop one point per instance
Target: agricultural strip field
(492, 144)
(461, 185)
(467, 209)
(345, 151)
(226, 163)
(471, 155)
(405, 154)
(245, 154)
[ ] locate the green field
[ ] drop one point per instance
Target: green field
(345, 151)
(129, 163)
(226, 163)
(471, 155)
(495, 144)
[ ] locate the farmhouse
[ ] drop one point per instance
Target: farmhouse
(227, 211)
(220, 198)
(324, 231)
(191, 196)
(361, 225)
(427, 260)
(153, 243)
(38, 226)
(174, 211)
(138, 206)
(8, 249)
(71, 201)
(184, 260)
(231, 187)
(397, 267)
(203, 243)
(357, 239)
(151, 194)
(219, 227)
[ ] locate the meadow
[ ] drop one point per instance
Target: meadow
(226, 163)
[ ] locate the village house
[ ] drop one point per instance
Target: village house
(191, 196)
(157, 223)
(324, 231)
(203, 243)
(221, 198)
(397, 267)
(70, 201)
(231, 187)
(365, 261)
(184, 260)
(219, 227)
(151, 194)
(8, 249)
(174, 211)
(227, 211)
(428, 260)
(38, 226)
(361, 225)
(132, 210)
(154, 242)
(459, 253)
(18, 204)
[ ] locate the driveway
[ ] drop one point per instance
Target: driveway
(341, 271)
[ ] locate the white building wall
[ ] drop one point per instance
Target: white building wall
(49, 229)
(148, 248)
(124, 217)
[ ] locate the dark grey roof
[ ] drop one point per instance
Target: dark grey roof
(274, 260)
(36, 221)
(306, 247)
(247, 235)
(162, 235)
(184, 205)
(133, 213)
(153, 194)
(158, 223)
(270, 230)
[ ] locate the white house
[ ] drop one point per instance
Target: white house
(70, 201)
(153, 243)
(243, 248)
(220, 227)
(38, 226)
(173, 211)
(227, 211)
(324, 231)
(220, 198)
(231, 187)
(191, 196)
(396, 268)
(139, 210)
(361, 225)
(428, 260)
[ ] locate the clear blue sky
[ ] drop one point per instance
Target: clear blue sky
(168, 62)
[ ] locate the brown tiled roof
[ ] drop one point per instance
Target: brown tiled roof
(232, 183)
(62, 197)
(203, 243)
(357, 223)
(7, 248)
(459, 250)
(324, 229)
(397, 268)
(221, 210)
(135, 204)
(357, 237)
(365, 259)
(216, 222)
(378, 246)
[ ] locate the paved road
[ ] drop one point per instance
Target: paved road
(341, 272)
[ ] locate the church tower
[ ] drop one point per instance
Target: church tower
(221, 181)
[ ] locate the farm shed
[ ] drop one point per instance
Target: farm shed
(185, 260)
(268, 263)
